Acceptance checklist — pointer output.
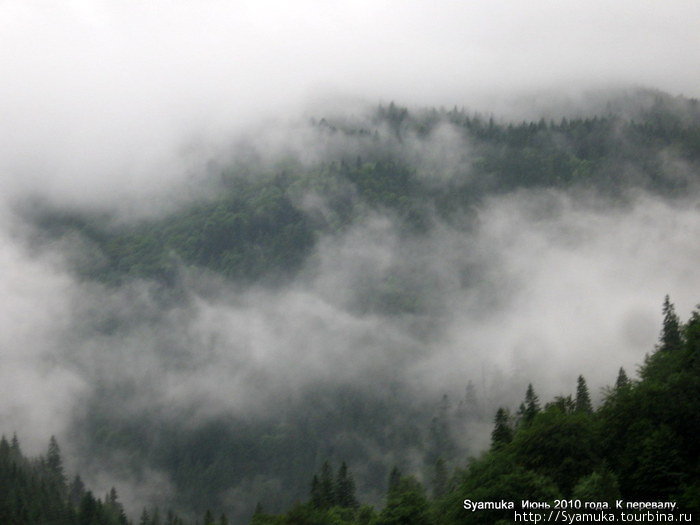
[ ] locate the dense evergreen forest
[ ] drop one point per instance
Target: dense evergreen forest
(366, 450)
(257, 228)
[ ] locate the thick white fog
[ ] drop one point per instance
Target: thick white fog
(131, 107)
(103, 101)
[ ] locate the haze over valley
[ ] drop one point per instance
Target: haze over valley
(239, 241)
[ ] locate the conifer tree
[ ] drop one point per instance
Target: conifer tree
(15, 450)
(622, 379)
(530, 407)
(469, 405)
(670, 338)
(145, 518)
(345, 488)
(55, 464)
(440, 479)
(394, 480)
(316, 500)
(691, 334)
(87, 513)
(4, 448)
(583, 399)
(76, 491)
(502, 432)
(326, 490)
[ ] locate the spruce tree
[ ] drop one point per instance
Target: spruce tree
(88, 513)
(583, 399)
(326, 489)
(145, 518)
(469, 406)
(55, 463)
(440, 479)
(670, 338)
(530, 407)
(622, 379)
(316, 500)
(345, 488)
(76, 491)
(4, 449)
(502, 432)
(15, 450)
(394, 480)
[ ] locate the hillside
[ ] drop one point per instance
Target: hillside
(325, 304)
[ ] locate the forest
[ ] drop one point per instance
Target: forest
(638, 445)
(243, 345)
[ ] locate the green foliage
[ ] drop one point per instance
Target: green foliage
(650, 427)
(557, 445)
(530, 407)
(256, 227)
(440, 479)
(502, 432)
(493, 477)
(406, 504)
(54, 462)
(670, 339)
(327, 496)
(601, 485)
(251, 231)
(622, 380)
(583, 399)
(345, 488)
(34, 492)
(639, 445)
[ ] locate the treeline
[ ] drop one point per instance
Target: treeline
(35, 491)
(640, 444)
(257, 227)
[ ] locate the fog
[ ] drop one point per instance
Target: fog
(543, 289)
(131, 108)
(106, 101)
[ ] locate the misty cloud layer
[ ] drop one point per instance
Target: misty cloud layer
(107, 101)
(540, 287)
(526, 296)
(134, 108)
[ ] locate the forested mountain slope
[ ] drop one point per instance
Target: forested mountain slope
(324, 303)
(420, 166)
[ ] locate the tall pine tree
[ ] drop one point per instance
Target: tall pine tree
(345, 488)
(670, 338)
(622, 380)
(440, 481)
(502, 433)
(326, 489)
(530, 407)
(583, 399)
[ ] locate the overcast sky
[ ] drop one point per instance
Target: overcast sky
(107, 97)
(112, 95)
